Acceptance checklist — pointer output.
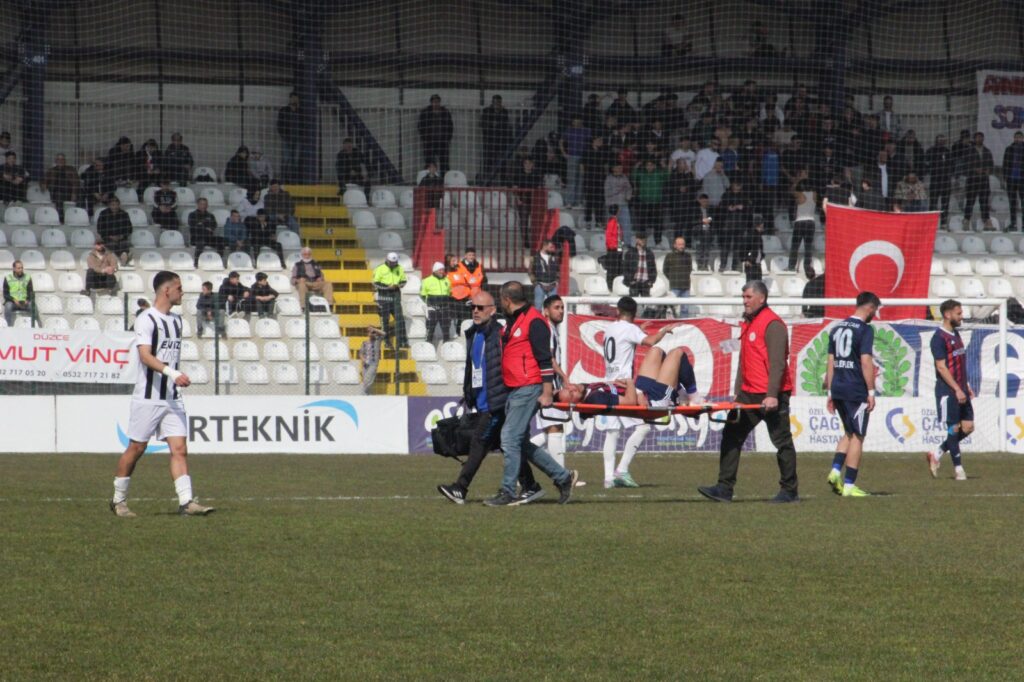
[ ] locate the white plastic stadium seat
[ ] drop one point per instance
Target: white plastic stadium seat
(109, 305)
(382, 198)
(433, 374)
(131, 283)
(973, 245)
(77, 304)
(214, 197)
(6, 259)
(70, 282)
(943, 287)
(53, 239)
(138, 216)
(128, 196)
(210, 261)
(392, 220)
(33, 260)
(186, 197)
(172, 239)
(87, 324)
(35, 194)
(189, 351)
(23, 237)
(363, 219)
(417, 329)
(238, 328)
(959, 267)
(180, 260)
(289, 240)
(709, 286)
(16, 215)
(987, 267)
(255, 375)
(143, 239)
(151, 260)
(299, 351)
(336, 350)
(196, 373)
(595, 285)
(1002, 246)
(1013, 267)
(406, 198)
(327, 328)
(82, 238)
(286, 375)
(390, 241)
(345, 375)
(354, 198)
(276, 351)
(63, 260)
(268, 261)
(295, 329)
(423, 351)
(584, 264)
(42, 282)
(76, 217)
(945, 244)
(49, 304)
(453, 351)
(972, 287)
(1000, 287)
(56, 323)
(267, 328)
(238, 260)
(555, 200)
(47, 215)
(209, 351)
(937, 267)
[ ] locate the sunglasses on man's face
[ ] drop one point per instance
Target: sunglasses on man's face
(481, 307)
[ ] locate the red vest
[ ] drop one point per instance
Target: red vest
(611, 234)
(518, 366)
(754, 354)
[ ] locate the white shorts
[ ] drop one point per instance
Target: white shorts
(160, 420)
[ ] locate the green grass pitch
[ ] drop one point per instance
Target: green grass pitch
(353, 567)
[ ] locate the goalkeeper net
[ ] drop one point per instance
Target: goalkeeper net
(904, 420)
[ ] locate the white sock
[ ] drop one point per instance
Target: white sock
(938, 454)
(121, 488)
(959, 469)
(183, 486)
(556, 446)
(611, 446)
(538, 440)
(632, 445)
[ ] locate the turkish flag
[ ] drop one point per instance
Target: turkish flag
(889, 254)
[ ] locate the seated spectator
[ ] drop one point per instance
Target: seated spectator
(260, 167)
(262, 297)
(280, 207)
(102, 269)
(165, 212)
(351, 167)
(97, 186)
(178, 160)
(115, 227)
(121, 165)
(236, 233)
(308, 277)
(13, 179)
(237, 170)
(149, 166)
(911, 193)
(206, 309)
(201, 227)
(263, 234)
(250, 204)
(18, 294)
(434, 184)
(61, 181)
(233, 294)
(815, 288)
(5, 143)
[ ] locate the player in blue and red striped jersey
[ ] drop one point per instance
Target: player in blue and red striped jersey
(953, 393)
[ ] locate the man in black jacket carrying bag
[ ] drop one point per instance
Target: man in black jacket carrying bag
(484, 391)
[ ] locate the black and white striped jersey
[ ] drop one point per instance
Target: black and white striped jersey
(162, 333)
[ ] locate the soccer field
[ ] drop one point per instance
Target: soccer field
(353, 567)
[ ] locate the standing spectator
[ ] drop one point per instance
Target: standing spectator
(871, 140)
(621, 109)
(528, 374)
(234, 295)
(165, 211)
(678, 268)
(201, 227)
(18, 293)
(794, 159)
(289, 127)
(814, 288)
(764, 378)
(639, 269)
(436, 129)
(715, 184)
(97, 186)
(737, 214)
(102, 269)
(497, 134)
(593, 117)
(5, 143)
(307, 276)
(618, 191)
(911, 154)
(236, 233)
(467, 279)
(280, 207)
(751, 249)
(61, 181)
(594, 168)
(263, 235)
(573, 146)
(706, 159)
(121, 164)
(350, 167)
(649, 184)
(237, 170)
(869, 197)
(770, 177)
(962, 153)
(260, 167)
(612, 259)
(250, 204)
(889, 120)
(803, 227)
(369, 357)
(544, 272)
(979, 167)
(149, 166)
(115, 227)
(911, 193)
(881, 177)
(388, 280)
(526, 181)
(207, 311)
(1013, 176)
(262, 296)
(436, 292)
(13, 179)
(684, 151)
(702, 231)
(178, 160)
(682, 187)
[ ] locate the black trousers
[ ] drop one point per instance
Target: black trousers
(803, 231)
(977, 189)
(1015, 193)
(733, 436)
(201, 240)
(939, 199)
(437, 316)
(487, 437)
(389, 308)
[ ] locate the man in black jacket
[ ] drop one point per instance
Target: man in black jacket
(639, 269)
(484, 391)
(436, 129)
(979, 166)
(351, 167)
(1013, 175)
(201, 227)
(289, 127)
(544, 271)
(939, 163)
(497, 133)
(115, 227)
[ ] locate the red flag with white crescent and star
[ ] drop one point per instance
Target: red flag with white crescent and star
(889, 254)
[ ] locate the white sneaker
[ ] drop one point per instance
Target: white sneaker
(609, 484)
(934, 461)
(960, 475)
(121, 509)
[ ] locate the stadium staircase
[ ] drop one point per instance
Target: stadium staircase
(326, 229)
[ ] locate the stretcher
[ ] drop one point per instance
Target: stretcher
(653, 414)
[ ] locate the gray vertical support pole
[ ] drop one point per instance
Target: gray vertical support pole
(308, 332)
(570, 30)
(33, 54)
(216, 355)
(309, 62)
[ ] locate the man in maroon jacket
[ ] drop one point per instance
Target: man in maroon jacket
(527, 371)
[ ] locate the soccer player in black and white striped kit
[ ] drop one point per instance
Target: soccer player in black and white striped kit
(156, 407)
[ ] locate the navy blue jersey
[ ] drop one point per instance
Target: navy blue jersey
(847, 342)
(949, 346)
(600, 394)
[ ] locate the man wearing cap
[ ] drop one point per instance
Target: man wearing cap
(436, 292)
(308, 277)
(388, 280)
(435, 128)
(102, 268)
(262, 296)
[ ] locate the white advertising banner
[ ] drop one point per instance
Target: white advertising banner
(66, 356)
(28, 423)
(247, 424)
(1000, 109)
(898, 425)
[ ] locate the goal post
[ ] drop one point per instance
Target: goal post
(905, 419)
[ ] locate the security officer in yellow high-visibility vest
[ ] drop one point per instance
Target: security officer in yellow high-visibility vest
(17, 293)
(436, 292)
(388, 280)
